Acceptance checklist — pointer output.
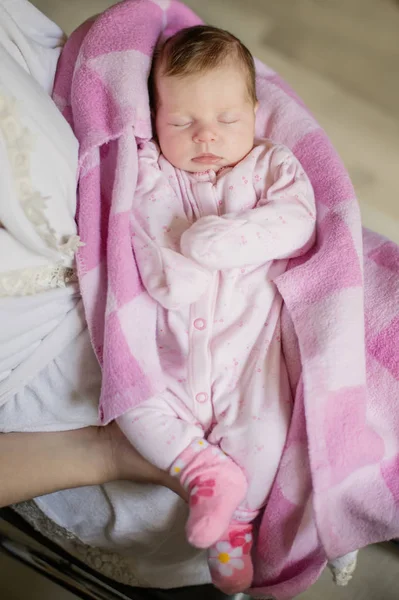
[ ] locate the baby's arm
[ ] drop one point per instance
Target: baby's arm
(281, 226)
(158, 220)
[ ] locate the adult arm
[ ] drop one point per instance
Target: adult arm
(34, 464)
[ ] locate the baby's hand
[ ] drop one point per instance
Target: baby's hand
(179, 282)
(203, 241)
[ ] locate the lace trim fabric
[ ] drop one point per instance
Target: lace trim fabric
(20, 143)
(109, 564)
(26, 282)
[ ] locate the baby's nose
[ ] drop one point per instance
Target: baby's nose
(206, 134)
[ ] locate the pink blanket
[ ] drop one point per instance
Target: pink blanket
(337, 488)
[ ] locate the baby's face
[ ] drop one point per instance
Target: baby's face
(207, 121)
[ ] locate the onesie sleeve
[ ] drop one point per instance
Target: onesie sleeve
(281, 226)
(157, 222)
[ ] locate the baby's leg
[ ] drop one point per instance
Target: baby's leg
(160, 429)
(166, 432)
(252, 426)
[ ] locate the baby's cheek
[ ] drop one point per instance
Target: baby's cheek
(169, 146)
(176, 142)
(177, 152)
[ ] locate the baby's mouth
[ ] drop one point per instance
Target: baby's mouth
(207, 158)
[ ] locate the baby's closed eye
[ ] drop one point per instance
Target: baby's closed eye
(181, 125)
(228, 120)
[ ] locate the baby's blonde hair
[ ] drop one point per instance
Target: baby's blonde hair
(198, 49)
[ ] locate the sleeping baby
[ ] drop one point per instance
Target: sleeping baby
(217, 216)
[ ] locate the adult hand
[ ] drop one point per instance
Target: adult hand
(123, 462)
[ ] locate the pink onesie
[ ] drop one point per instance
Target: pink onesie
(208, 247)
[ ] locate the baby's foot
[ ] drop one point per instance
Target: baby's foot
(230, 561)
(216, 485)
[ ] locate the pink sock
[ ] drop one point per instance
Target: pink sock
(217, 486)
(230, 561)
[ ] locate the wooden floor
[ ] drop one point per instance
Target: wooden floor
(342, 57)
(377, 578)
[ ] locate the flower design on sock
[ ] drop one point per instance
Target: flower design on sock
(204, 489)
(240, 539)
(199, 445)
(177, 467)
(225, 558)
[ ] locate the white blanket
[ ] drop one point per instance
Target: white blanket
(38, 161)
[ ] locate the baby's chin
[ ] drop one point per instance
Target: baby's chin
(200, 168)
(191, 167)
